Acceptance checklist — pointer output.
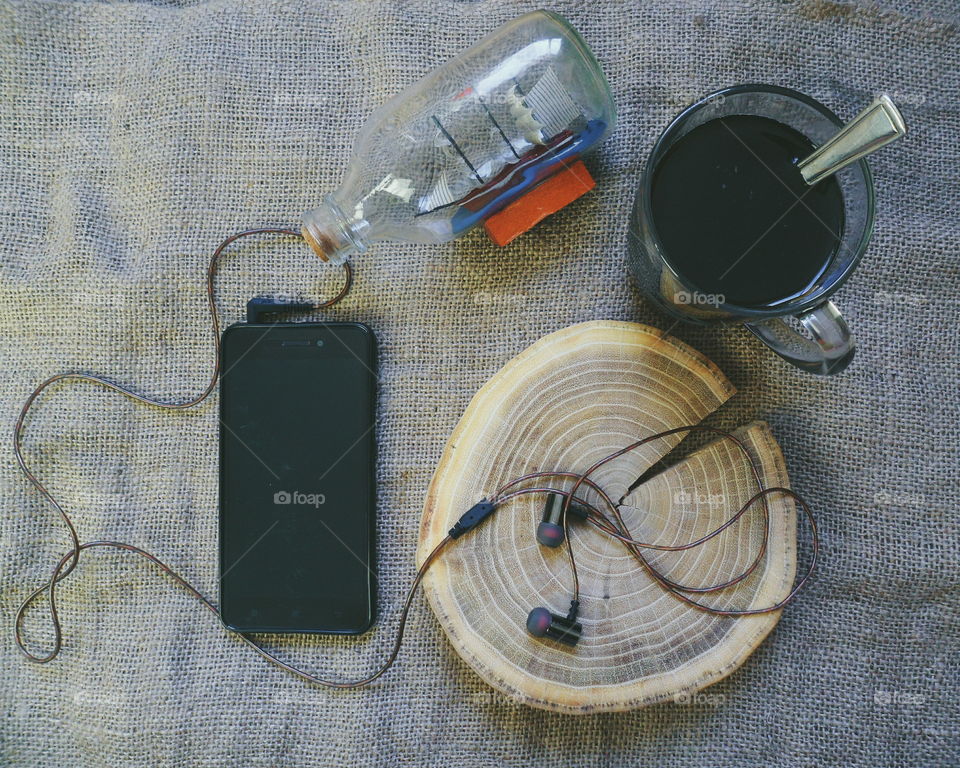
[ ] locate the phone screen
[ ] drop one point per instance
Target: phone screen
(297, 482)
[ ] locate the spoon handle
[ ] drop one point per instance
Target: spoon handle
(879, 124)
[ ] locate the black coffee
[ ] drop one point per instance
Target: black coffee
(735, 216)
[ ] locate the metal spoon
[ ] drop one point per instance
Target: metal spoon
(878, 125)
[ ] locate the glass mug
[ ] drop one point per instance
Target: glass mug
(830, 346)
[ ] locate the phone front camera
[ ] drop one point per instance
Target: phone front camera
(319, 342)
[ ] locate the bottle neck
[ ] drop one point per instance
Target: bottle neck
(332, 235)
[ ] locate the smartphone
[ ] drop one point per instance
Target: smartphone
(297, 478)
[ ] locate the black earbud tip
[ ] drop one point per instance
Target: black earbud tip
(538, 622)
(550, 534)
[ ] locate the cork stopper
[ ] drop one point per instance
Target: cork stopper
(331, 235)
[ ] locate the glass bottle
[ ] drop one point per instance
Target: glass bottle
(468, 139)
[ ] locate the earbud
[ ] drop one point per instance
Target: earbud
(564, 629)
(550, 530)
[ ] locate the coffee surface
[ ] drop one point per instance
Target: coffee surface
(736, 217)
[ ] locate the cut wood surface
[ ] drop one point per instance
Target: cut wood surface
(562, 404)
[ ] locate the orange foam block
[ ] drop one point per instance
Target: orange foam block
(561, 189)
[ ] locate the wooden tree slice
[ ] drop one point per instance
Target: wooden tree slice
(565, 402)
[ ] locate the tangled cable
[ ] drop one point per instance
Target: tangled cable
(612, 525)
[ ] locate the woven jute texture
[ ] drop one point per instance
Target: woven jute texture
(134, 136)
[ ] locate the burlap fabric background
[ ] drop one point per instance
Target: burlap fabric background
(135, 136)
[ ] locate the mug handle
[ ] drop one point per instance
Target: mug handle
(829, 352)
